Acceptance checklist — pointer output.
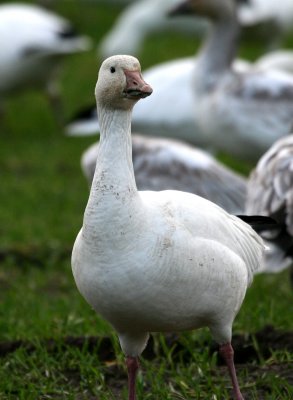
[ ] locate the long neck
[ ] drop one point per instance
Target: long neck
(114, 164)
(217, 53)
(113, 186)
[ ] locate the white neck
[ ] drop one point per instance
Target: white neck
(217, 53)
(115, 150)
(113, 183)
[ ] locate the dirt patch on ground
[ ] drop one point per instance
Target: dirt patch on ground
(249, 349)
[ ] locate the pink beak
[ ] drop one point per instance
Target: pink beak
(136, 87)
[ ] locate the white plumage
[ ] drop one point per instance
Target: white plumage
(155, 261)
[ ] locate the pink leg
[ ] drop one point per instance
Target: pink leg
(132, 368)
(227, 352)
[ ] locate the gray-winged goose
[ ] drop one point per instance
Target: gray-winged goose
(161, 164)
(156, 261)
(270, 192)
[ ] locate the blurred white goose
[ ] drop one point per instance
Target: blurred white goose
(140, 19)
(32, 42)
(164, 113)
(145, 17)
(242, 113)
(270, 192)
(156, 261)
(279, 12)
(167, 114)
(161, 164)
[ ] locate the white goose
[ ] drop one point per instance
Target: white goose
(161, 164)
(164, 113)
(32, 42)
(140, 19)
(241, 113)
(270, 192)
(156, 261)
(280, 13)
(144, 17)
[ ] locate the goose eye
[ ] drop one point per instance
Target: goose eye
(112, 70)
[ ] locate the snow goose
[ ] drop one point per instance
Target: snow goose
(144, 17)
(161, 164)
(280, 13)
(140, 19)
(270, 192)
(250, 110)
(32, 41)
(156, 261)
(165, 113)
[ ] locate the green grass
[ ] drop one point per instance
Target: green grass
(43, 195)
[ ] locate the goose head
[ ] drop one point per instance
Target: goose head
(120, 84)
(213, 9)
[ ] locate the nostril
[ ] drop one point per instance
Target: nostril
(134, 80)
